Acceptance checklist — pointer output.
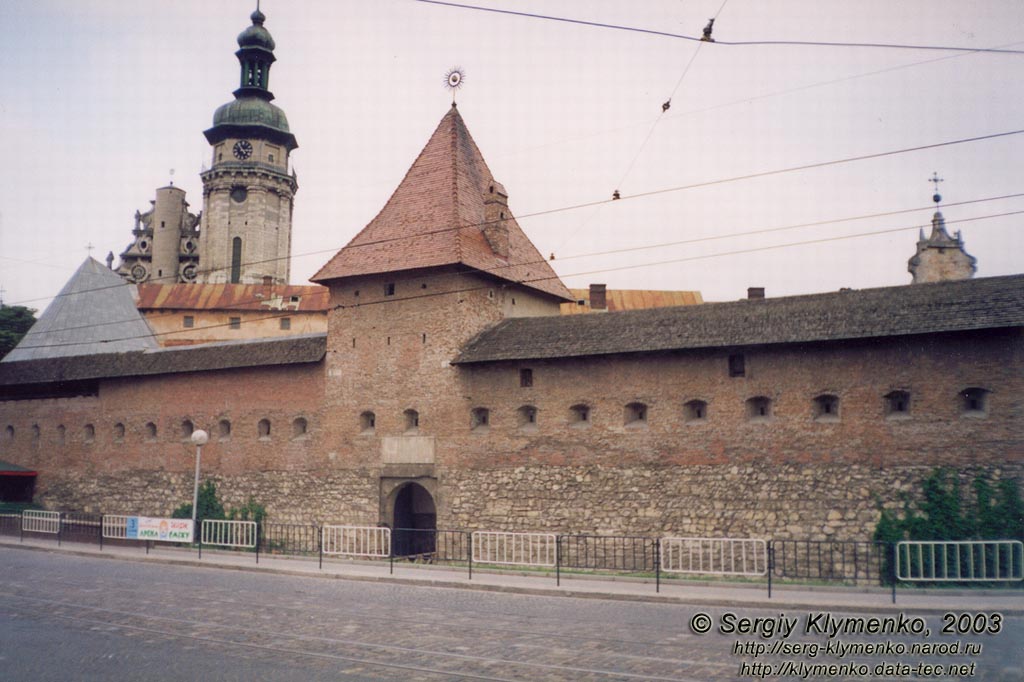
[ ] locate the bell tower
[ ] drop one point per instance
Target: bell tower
(248, 192)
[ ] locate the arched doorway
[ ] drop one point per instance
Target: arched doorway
(414, 521)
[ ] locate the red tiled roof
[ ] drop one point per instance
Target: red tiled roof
(435, 218)
(232, 297)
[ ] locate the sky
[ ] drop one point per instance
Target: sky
(103, 101)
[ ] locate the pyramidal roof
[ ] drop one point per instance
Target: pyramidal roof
(437, 217)
(94, 313)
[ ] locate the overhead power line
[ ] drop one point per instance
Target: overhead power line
(631, 266)
(679, 36)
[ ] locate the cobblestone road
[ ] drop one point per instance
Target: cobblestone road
(76, 618)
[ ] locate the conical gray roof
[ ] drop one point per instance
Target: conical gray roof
(94, 313)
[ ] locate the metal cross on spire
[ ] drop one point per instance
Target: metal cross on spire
(936, 180)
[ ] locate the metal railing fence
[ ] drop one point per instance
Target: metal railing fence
(621, 553)
(10, 523)
(357, 541)
(34, 521)
(515, 549)
(289, 538)
(81, 527)
(960, 561)
(830, 561)
(715, 556)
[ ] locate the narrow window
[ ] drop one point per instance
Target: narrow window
(527, 417)
(62, 434)
(759, 408)
(234, 323)
(90, 433)
(150, 431)
(236, 260)
(389, 289)
(826, 408)
(367, 423)
(9, 434)
(263, 429)
(36, 432)
(188, 322)
(480, 419)
(187, 427)
(119, 432)
(974, 402)
(299, 427)
(635, 414)
(737, 366)
(897, 404)
(224, 429)
(579, 415)
(526, 378)
(695, 411)
(286, 323)
(412, 421)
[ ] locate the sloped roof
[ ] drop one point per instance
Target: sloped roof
(974, 304)
(436, 217)
(8, 469)
(631, 299)
(232, 297)
(287, 350)
(94, 313)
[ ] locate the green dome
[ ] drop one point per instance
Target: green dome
(250, 111)
(256, 35)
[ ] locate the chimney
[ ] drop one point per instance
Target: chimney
(598, 297)
(495, 214)
(755, 293)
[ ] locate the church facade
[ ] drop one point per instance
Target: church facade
(448, 391)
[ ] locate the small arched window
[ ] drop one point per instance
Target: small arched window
(118, 432)
(36, 432)
(897, 404)
(974, 402)
(695, 411)
(759, 408)
(826, 408)
(224, 429)
(527, 417)
(9, 434)
(299, 427)
(480, 418)
(412, 421)
(90, 433)
(150, 431)
(635, 414)
(62, 434)
(579, 415)
(187, 427)
(263, 429)
(367, 423)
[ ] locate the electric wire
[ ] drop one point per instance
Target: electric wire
(666, 34)
(535, 280)
(238, 305)
(638, 195)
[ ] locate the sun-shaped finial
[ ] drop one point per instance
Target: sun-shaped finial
(454, 79)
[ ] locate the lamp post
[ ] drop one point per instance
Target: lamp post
(200, 438)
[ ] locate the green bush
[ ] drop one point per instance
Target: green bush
(210, 506)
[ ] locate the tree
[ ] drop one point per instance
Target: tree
(15, 321)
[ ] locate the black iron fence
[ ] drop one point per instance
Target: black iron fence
(288, 538)
(10, 523)
(831, 561)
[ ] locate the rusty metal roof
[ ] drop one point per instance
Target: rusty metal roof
(306, 298)
(632, 299)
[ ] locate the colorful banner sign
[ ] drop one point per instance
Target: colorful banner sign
(160, 530)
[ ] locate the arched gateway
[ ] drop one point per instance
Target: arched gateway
(413, 520)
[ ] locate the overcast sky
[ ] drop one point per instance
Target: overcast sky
(100, 99)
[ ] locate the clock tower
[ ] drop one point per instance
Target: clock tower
(248, 192)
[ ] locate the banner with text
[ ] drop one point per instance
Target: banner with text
(161, 530)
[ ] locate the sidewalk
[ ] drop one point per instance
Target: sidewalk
(1008, 601)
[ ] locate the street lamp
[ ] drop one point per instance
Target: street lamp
(200, 438)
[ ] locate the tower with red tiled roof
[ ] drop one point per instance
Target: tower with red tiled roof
(442, 261)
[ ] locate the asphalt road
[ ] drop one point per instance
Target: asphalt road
(77, 618)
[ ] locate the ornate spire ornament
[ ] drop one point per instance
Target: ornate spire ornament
(454, 79)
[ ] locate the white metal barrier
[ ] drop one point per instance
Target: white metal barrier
(229, 533)
(517, 549)
(115, 526)
(371, 541)
(34, 521)
(960, 560)
(715, 556)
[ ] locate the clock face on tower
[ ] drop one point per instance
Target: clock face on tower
(242, 149)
